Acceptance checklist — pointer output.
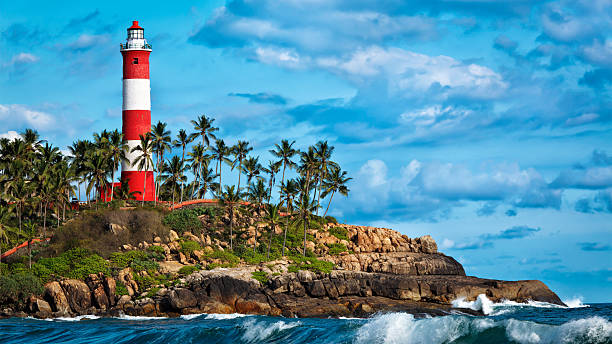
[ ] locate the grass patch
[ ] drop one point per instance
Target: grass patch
(339, 232)
(261, 276)
(76, 263)
(310, 264)
(188, 270)
(336, 249)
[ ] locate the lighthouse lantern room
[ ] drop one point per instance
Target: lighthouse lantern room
(136, 111)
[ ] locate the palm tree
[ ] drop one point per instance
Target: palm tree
(78, 151)
(29, 235)
(182, 140)
(161, 140)
(197, 159)
(272, 170)
(207, 180)
(288, 192)
(240, 151)
(96, 167)
(323, 153)
(229, 198)
(117, 154)
(308, 166)
(252, 168)
(144, 160)
(174, 170)
(5, 216)
(305, 209)
(220, 152)
(285, 153)
(203, 128)
(272, 218)
(123, 192)
(257, 192)
(335, 182)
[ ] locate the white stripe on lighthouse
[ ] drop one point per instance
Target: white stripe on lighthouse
(130, 164)
(136, 94)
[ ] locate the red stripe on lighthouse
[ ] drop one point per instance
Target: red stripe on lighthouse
(135, 64)
(136, 180)
(136, 123)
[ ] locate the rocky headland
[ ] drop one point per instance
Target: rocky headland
(380, 270)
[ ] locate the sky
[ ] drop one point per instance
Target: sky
(485, 124)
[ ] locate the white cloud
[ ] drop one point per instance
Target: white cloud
(11, 135)
(407, 72)
(374, 172)
(20, 115)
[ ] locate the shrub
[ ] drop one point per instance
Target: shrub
(153, 292)
(249, 256)
(157, 249)
(188, 246)
(261, 276)
(335, 249)
(311, 264)
(183, 220)
(331, 219)
(121, 289)
(76, 263)
(188, 270)
(92, 231)
(225, 256)
(17, 288)
(137, 260)
(339, 232)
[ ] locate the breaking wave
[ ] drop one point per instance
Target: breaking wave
(488, 307)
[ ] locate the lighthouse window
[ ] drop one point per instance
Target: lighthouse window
(135, 60)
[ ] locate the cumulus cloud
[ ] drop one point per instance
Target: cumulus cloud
(17, 115)
(429, 190)
(11, 135)
(596, 174)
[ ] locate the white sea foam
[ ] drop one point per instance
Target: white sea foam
(398, 328)
(576, 302)
(138, 318)
(257, 331)
(77, 318)
(213, 316)
(488, 307)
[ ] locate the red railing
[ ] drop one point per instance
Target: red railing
(24, 244)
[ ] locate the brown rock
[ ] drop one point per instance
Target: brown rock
(78, 295)
(54, 294)
(110, 288)
(182, 298)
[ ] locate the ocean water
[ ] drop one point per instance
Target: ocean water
(506, 322)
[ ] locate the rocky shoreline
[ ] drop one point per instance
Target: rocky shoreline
(384, 271)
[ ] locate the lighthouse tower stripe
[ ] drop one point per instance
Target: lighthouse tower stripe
(136, 111)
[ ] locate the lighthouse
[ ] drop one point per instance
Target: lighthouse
(136, 112)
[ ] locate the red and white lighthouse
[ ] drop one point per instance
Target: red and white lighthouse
(136, 110)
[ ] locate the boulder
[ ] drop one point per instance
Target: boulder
(56, 298)
(38, 305)
(78, 295)
(182, 298)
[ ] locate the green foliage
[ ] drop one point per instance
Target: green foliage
(153, 292)
(121, 289)
(311, 264)
(186, 220)
(225, 256)
(157, 249)
(249, 256)
(335, 249)
(339, 232)
(137, 260)
(76, 263)
(331, 219)
(188, 246)
(17, 288)
(188, 270)
(261, 276)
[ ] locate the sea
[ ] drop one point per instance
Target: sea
(505, 322)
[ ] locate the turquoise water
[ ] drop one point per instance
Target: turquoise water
(506, 323)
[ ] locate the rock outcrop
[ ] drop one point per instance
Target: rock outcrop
(381, 270)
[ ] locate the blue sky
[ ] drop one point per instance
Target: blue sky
(486, 124)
